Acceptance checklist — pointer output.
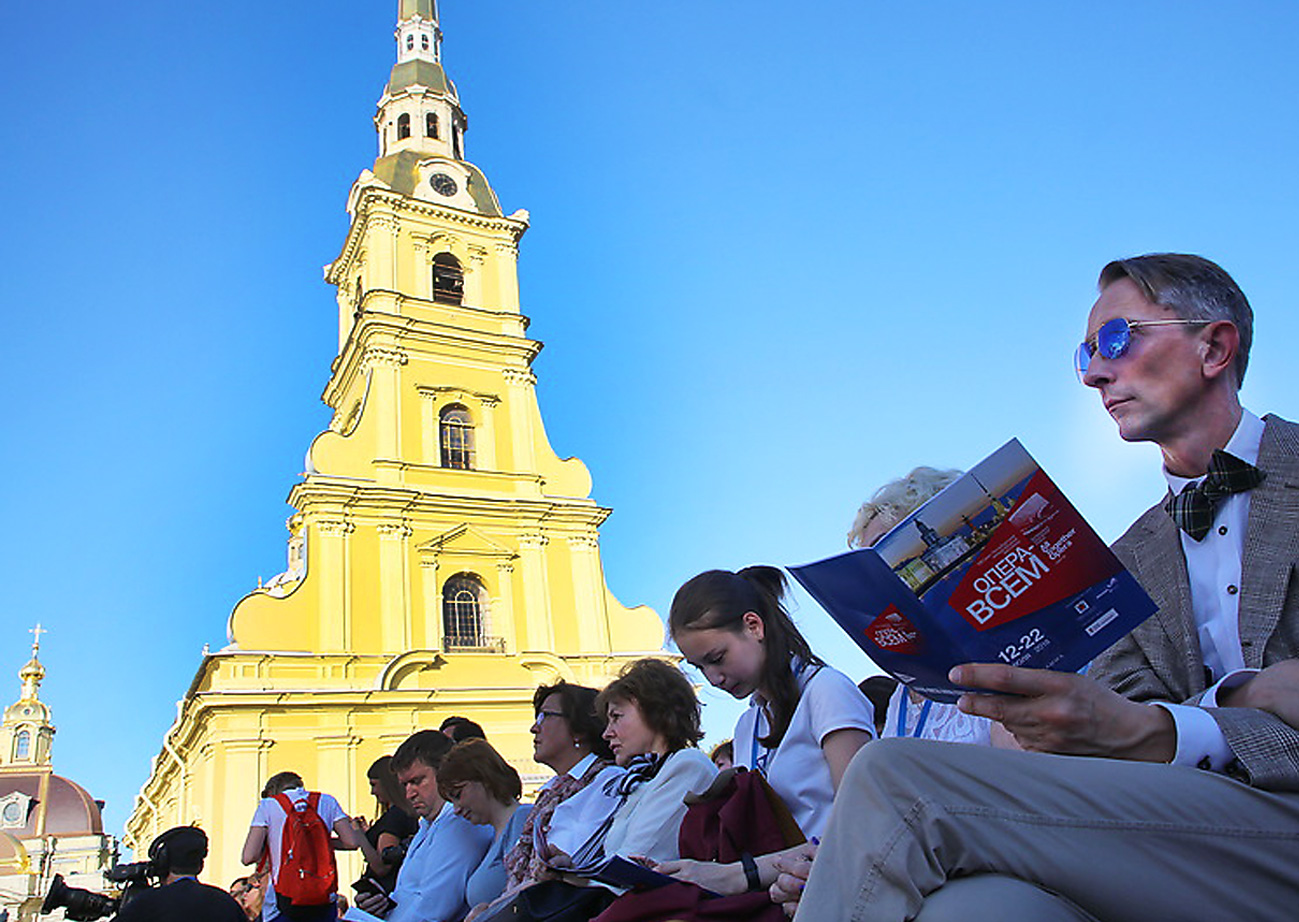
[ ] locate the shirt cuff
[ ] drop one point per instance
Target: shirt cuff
(1200, 743)
(1231, 680)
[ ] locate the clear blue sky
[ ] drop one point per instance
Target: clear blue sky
(780, 253)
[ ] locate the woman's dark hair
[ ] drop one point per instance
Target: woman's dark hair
(393, 794)
(664, 696)
(577, 702)
(476, 760)
(719, 599)
(460, 729)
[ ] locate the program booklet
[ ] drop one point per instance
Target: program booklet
(617, 872)
(997, 568)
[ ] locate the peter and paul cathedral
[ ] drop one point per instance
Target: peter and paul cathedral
(442, 559)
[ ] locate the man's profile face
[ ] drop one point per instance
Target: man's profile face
(420, 782)
(1153, 391)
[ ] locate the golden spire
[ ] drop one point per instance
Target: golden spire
(32, 674)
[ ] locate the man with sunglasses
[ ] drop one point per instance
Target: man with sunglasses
(1187, 807)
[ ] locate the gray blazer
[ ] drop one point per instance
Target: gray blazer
(1161, 660)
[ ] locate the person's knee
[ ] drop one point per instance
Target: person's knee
(994, 897)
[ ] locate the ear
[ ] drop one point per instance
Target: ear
(1219, 342)
(754, 625)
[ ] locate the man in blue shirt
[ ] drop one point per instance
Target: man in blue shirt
(445, 851)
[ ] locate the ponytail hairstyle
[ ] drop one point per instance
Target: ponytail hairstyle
(719, 599)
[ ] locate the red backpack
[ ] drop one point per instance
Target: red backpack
(308, 874)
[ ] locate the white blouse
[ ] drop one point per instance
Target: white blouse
(647, 823)
(797, 769)
(932, 720)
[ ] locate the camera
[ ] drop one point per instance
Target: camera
(394, 855)
(182, 847)
(86, 905)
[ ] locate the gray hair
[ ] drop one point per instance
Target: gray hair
(1193, 288)
(898, 498)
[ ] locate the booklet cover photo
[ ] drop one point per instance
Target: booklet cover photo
(999, 567)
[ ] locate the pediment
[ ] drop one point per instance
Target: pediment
(466, 541)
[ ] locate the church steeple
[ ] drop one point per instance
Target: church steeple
(26, 731)
(420, 109)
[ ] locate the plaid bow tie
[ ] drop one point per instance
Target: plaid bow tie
(1193, 509)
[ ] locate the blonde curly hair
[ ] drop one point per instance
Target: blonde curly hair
(897, 499)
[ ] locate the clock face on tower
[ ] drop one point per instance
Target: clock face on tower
(443, 184)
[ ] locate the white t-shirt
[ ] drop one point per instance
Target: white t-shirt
(270, 814)
(797, 769)
(932, 720)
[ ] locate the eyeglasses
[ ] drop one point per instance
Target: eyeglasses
(1114, 338)
(542, 715)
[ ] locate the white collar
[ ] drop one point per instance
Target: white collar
(1244, 444)
(581, 767)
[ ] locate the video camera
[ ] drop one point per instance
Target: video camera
(87, 905)
(181, 847)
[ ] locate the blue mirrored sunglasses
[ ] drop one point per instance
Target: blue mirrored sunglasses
(1115, 337)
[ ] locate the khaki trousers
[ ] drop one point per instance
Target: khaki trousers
(915, 821)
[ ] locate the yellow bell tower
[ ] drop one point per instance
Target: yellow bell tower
(443, 560)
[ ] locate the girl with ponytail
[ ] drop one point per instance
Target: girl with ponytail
(805, 720)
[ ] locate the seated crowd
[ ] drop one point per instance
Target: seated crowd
(974, 809)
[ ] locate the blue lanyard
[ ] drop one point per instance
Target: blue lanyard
(903, 705)
(759, 762)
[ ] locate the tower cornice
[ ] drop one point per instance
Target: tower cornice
(372, 203)
(383, 330)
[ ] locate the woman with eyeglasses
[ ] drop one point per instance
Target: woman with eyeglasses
(485, 790)
(652, 717)
(567, 737)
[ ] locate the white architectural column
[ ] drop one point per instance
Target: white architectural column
(485, 437)
(394, 588)
(502, 611)
(243, 765)
(588, 594)
(432, 626)
(520, 383)
(538, 634)
(430, 434)
(473, 269)
(383, 366)
(337, 774)
(507, 276)
(381, 239)
(335, 595)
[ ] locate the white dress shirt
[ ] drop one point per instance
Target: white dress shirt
(1213, 568)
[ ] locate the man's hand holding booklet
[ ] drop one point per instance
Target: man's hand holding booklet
(997, 568)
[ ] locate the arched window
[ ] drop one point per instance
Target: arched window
(448, 279)
(464, 612)
(455, 142)
(456, 434)
(403, 126)
(431, 125)
(410, 43)
(22, 745)
(423, 42)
